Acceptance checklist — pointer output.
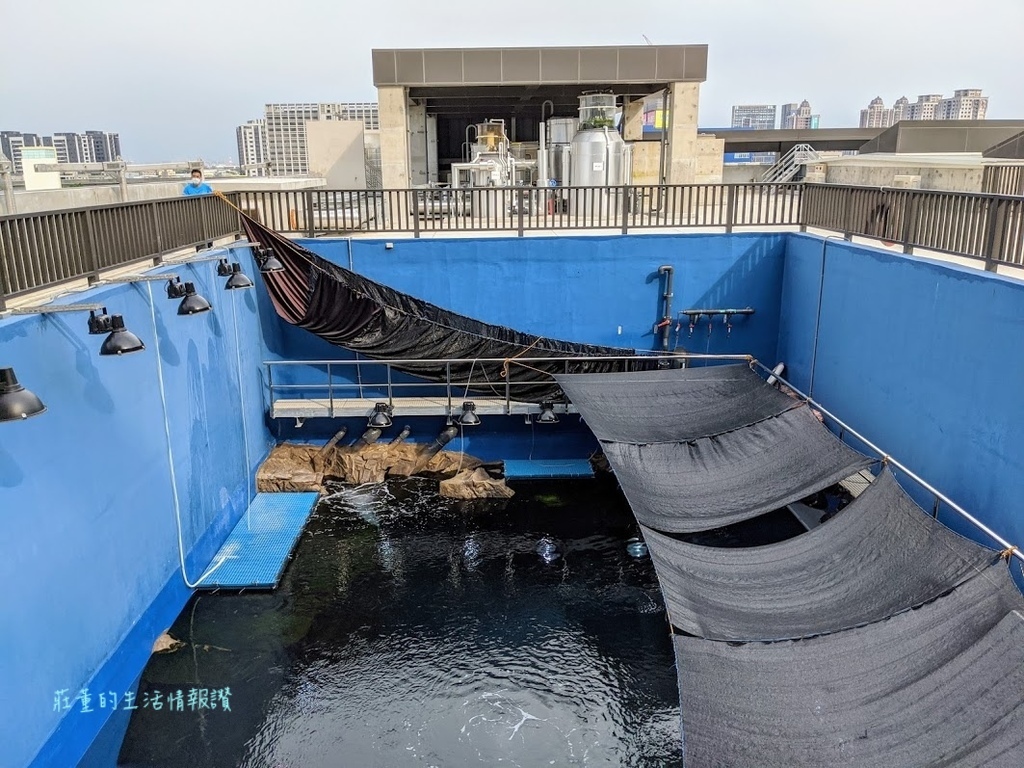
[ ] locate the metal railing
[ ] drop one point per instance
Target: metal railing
(43, 250)
(972, 225)
(384, 380)
(524, 209)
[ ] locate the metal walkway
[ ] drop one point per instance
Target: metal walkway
(354, 407)
(254, 554)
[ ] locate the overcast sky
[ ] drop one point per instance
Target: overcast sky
(175, 77)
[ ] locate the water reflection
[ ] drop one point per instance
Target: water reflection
(410, 630)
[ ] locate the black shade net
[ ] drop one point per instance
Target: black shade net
(361, 315)
(878, 556)
(716, 481)
(936, 686)
(673, 405)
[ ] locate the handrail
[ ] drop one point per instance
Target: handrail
(887, 458)
(42, 250)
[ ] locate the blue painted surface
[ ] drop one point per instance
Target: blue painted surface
(87, 525)
(254, 554)
(922, 357)
(547, 468)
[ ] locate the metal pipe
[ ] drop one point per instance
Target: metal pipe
(369, 437)
(900, 466)
(544, 104)
(338, 437)
(400, 437)
(542, 156)
(664, 139)
(666, 321)
(817, 317)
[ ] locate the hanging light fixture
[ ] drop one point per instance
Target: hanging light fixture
(547, 414)
(121, 341)
(468, 417)
(238, 278)
(191, 302)
(16, 402)
(223, 267)
(381, 417)
(99, 324)
(269, 261)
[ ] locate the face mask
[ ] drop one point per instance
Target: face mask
(196, 181)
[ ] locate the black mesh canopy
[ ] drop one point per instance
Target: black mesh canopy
(936, 686)
(671, 405)
(715, 481)
(880, 555)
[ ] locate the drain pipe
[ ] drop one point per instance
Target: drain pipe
(400, 437)
(817, 319)
(369, 437)
(666, 321)
(338, 437)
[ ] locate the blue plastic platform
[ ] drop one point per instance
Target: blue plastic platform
(522, 469)
(255, 552)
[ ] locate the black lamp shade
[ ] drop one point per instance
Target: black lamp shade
(121, 341)
(469, 417)
(193, 303)
(270, 262)
(238, 278)
(547, 414)
(381, 417)
(16, 402)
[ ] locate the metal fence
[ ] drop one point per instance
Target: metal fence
(46, 249)
(524, 209)
(42, 250)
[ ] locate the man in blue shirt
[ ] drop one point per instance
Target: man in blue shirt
(197, 186)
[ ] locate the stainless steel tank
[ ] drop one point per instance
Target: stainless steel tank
(561, 130)
(558, 164)
(599, 159)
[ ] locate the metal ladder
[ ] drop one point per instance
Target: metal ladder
(789, 165)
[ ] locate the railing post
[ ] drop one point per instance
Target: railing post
(158, 234)
(730, 207)
(204, 218)
(414, 209)
(91, 261)
(995, 224)
(626, 194)
(310, 231)
(910, 223)
(519, 209)
(848, 215)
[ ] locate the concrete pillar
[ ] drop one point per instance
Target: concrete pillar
(393, 104)
(682, 133)
(633, 116)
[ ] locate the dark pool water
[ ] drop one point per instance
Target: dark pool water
(410, 630)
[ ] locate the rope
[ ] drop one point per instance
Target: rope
(224, 197)
(504, 366)
(1007, 553)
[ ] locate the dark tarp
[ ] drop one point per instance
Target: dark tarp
(936, 686)
(679, 404)
(880, 555)
(364, 316)
(716, 481)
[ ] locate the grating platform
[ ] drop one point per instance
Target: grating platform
(521, 469)
(255, 552)
(339, 407)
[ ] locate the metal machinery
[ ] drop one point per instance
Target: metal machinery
(492, 161)
(588, 152)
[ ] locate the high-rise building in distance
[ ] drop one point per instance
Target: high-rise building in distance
(252, 148)
(90, 147)
(285, 130)
(876, 115)
(798, 116)
(964, 104)
(753, 116)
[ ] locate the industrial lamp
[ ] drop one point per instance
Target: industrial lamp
(269, 261)
(238, 278)
(381, 417)
(99, 324)
(191, 302)
(547, 414)
(121, 341)
(468, 417)
(16, 402)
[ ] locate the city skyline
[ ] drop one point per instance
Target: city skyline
(183, 97)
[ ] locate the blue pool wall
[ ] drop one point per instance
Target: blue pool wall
(88, 542)
(921, 357)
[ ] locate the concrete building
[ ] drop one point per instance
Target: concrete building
(966, 104)
(901, 109)
(440, 93)
(876, 115)
(100, 147)
(753, 116)
(252, 148)
(285, 130)
(798, 117)
(924, 108)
